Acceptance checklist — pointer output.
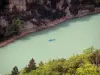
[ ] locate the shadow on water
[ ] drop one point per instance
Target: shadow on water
(60, 25)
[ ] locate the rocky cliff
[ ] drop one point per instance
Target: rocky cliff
(18, 15)
(20, 4)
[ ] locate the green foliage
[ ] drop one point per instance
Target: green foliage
(94, 58)
(87, 63)
(87, 69)
(89, 50)
(41, 64)
(17, 21)
(31, 66)
(15, 27)
(15, 71)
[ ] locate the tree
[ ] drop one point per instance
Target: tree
(89, 50)
(45, 2)
(41, 64)
(83, 64)
(15, 71)
(86, 69)
(94, 58)
(73, 10)
(31, 66)
(74, 2)
(65, 5)
(3, 26)
(2, 33)
(15, 27)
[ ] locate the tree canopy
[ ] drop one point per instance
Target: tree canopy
(87, 63)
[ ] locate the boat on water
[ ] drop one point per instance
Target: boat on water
(50, 40)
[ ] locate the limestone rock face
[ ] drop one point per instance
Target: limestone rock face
(3, 22)
(19, 4)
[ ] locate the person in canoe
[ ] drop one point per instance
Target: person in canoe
(51, 40)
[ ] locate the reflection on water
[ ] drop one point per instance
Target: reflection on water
(68, 38)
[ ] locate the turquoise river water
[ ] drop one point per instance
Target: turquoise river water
(70, 37)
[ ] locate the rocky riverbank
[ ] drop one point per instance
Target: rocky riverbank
(48, 24)
(20, 18)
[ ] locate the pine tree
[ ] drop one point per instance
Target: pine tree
(31, 66)
(41, 63)
(15, 71)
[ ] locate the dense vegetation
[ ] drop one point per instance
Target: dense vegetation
(87, 63)
(12, 22)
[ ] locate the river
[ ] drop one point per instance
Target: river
(70, 37)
